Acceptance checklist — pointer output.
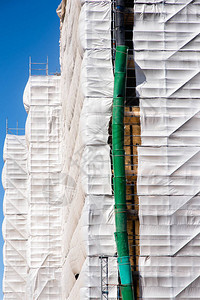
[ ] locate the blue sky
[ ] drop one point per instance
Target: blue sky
(27, 28)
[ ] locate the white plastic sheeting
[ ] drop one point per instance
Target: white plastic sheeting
(86, 95)
(42, 101)
(167, 49)
(14, 179)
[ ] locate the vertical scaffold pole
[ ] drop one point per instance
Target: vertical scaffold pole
(6, 125)
(47, 66)
(29, 65)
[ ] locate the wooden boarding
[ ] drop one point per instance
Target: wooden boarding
(132, 140)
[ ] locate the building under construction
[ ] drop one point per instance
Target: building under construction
(101, 193)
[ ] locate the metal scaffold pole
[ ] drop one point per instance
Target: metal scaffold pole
(104, 277)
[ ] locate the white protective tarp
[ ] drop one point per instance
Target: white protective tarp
(86, 96)
(42, 102)
(73, 250)
(167, 50)
(14, 228)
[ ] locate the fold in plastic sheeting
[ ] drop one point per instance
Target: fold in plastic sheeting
(167, 49)
(73, 196)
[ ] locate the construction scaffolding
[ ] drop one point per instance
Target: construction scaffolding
(15, 206)
(60, 227)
